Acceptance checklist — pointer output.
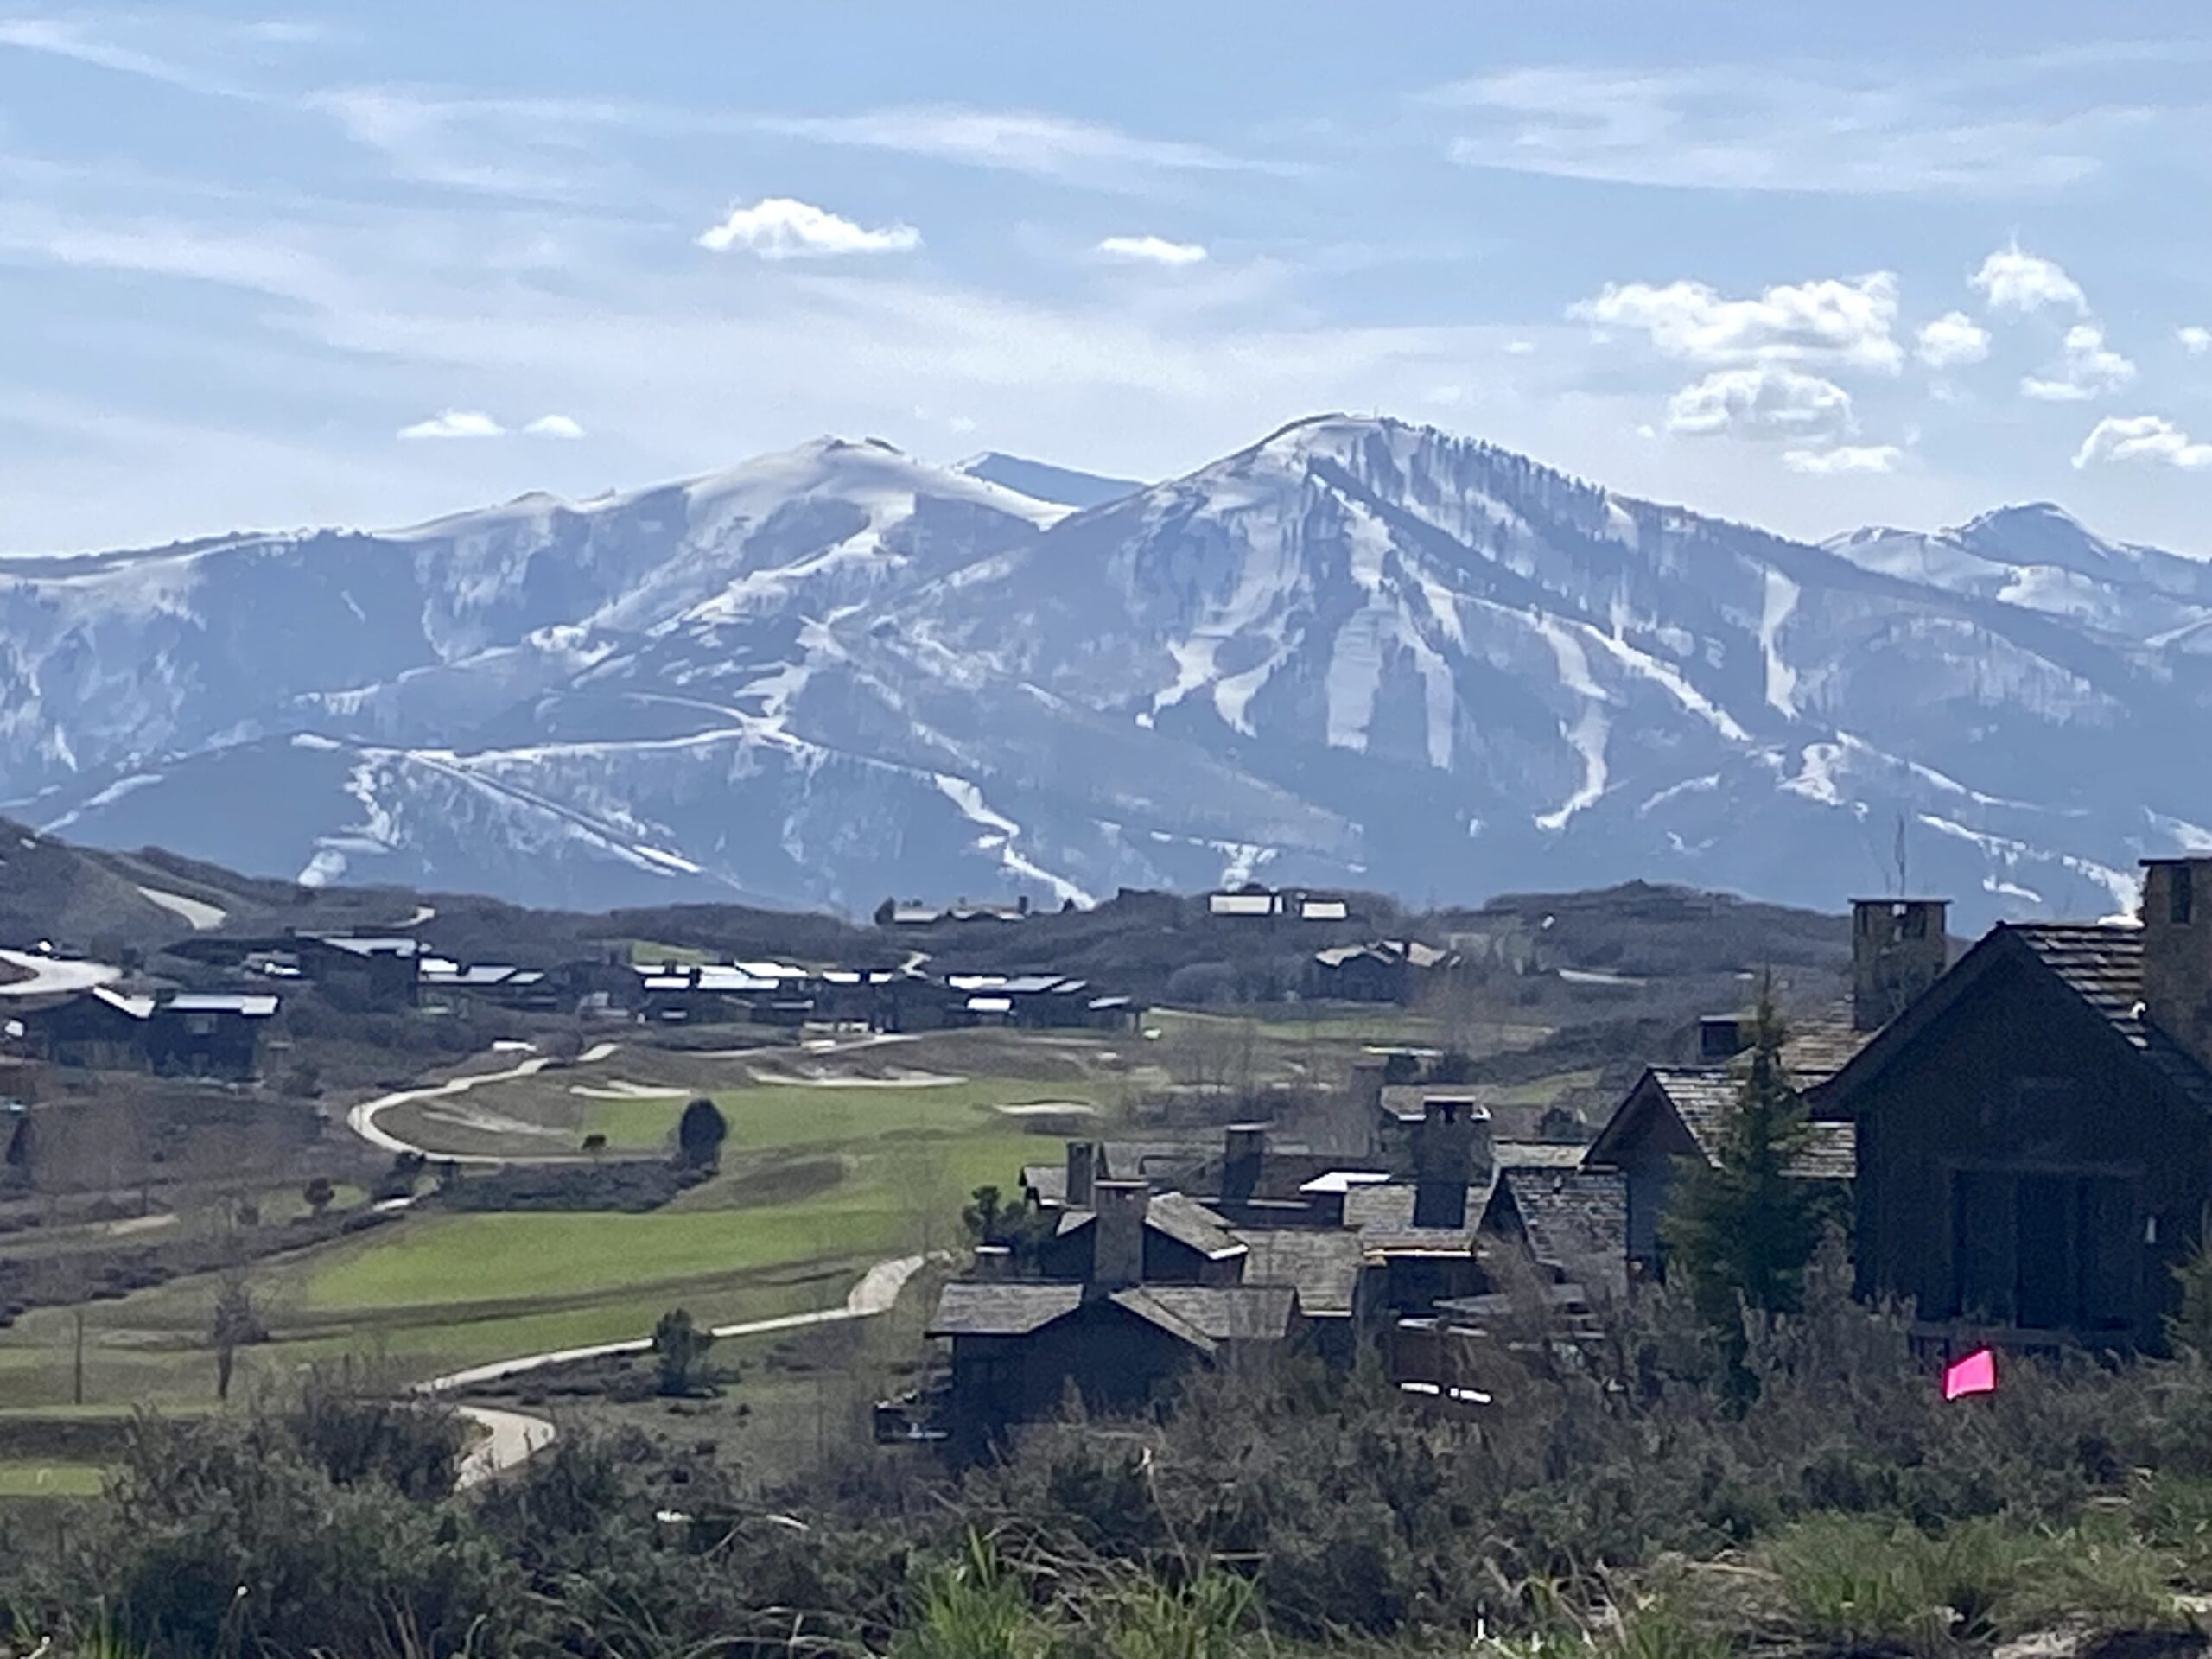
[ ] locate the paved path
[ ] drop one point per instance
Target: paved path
(515, 1436)
(49, 975)
(510, 1438)
(362, 1119)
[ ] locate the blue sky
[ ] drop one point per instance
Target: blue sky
(1811, 267)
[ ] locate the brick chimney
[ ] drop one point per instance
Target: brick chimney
(2178, 951)
(1451, 1151)
(1898, 948)
(1244, 1154)
(1117, 1234)
(1083, 1169)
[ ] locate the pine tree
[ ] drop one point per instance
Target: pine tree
(1740, 1231)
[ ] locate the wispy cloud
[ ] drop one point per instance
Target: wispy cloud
(2142, 437)
(2087, 368)
(2195, 340)
(73, 39)
(1829, 130)
(1152, 249)
(778, 228)
(554, 426)
(1016, 141)
(456, 423)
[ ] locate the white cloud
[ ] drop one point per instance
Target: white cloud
(1953, 340)
(2193, 340)
(778, 228)
(1845, 458)
(1763, 402)
(2011, 280)
(1152, 249)
(66, 39)
(2142, 437)
(1826, 322)
(554, 426)
(455, 423)
(2087, 368)
(1520, 348)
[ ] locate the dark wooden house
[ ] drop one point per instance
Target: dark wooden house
(2035, 1134)
(1677, 1113)
(1114, 1336)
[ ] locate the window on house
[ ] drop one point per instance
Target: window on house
(2044, 1250)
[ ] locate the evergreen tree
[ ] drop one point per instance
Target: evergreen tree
(700, 1133)
(1740, 1231)
(680, 1346)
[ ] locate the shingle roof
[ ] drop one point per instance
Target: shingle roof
(1382, 1216)
(1573, 1215)
(1222, 1313)
(1322, 1264)
(1821, 1045)
(2102, 964)
(1175, 1215)
(984, 1308)
(1201, 1315)
(1702, 1097)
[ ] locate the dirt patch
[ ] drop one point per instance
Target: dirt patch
(808, 1177)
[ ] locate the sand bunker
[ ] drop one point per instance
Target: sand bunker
(622, 1089)
(1048, 1109)
(455, 1115)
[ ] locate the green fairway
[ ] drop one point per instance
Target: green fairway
(20, 1480)
(817, 1181)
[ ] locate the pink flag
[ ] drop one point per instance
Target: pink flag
(1975, 1374)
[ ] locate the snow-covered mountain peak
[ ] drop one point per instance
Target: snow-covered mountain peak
(1361, 650)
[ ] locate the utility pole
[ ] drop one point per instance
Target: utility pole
(76, 1389)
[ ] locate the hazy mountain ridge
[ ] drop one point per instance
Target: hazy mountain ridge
(1357, 651)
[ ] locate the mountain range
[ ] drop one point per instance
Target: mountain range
(1359, 654)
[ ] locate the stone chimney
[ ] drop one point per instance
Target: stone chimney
(1244, 1154)
(1451, 1151)
(2178, 951)
(1719, 1038)
(1083, 1169)
(1898, 948)
(993, 1263)
(1117, 1234)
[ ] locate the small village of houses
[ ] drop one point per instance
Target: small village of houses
(2023, 1137)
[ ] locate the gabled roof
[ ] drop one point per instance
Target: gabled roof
(1700, 1097)
(1175, 1216)
(2098, 963)
(1321, 1263)
(1571, 1215)
(1221, 1313)
(1203, 1316)
(982, 1308)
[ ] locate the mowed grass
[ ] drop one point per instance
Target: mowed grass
(21, 1480)
(817, 1183)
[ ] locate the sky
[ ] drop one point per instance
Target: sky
(1813, 268)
